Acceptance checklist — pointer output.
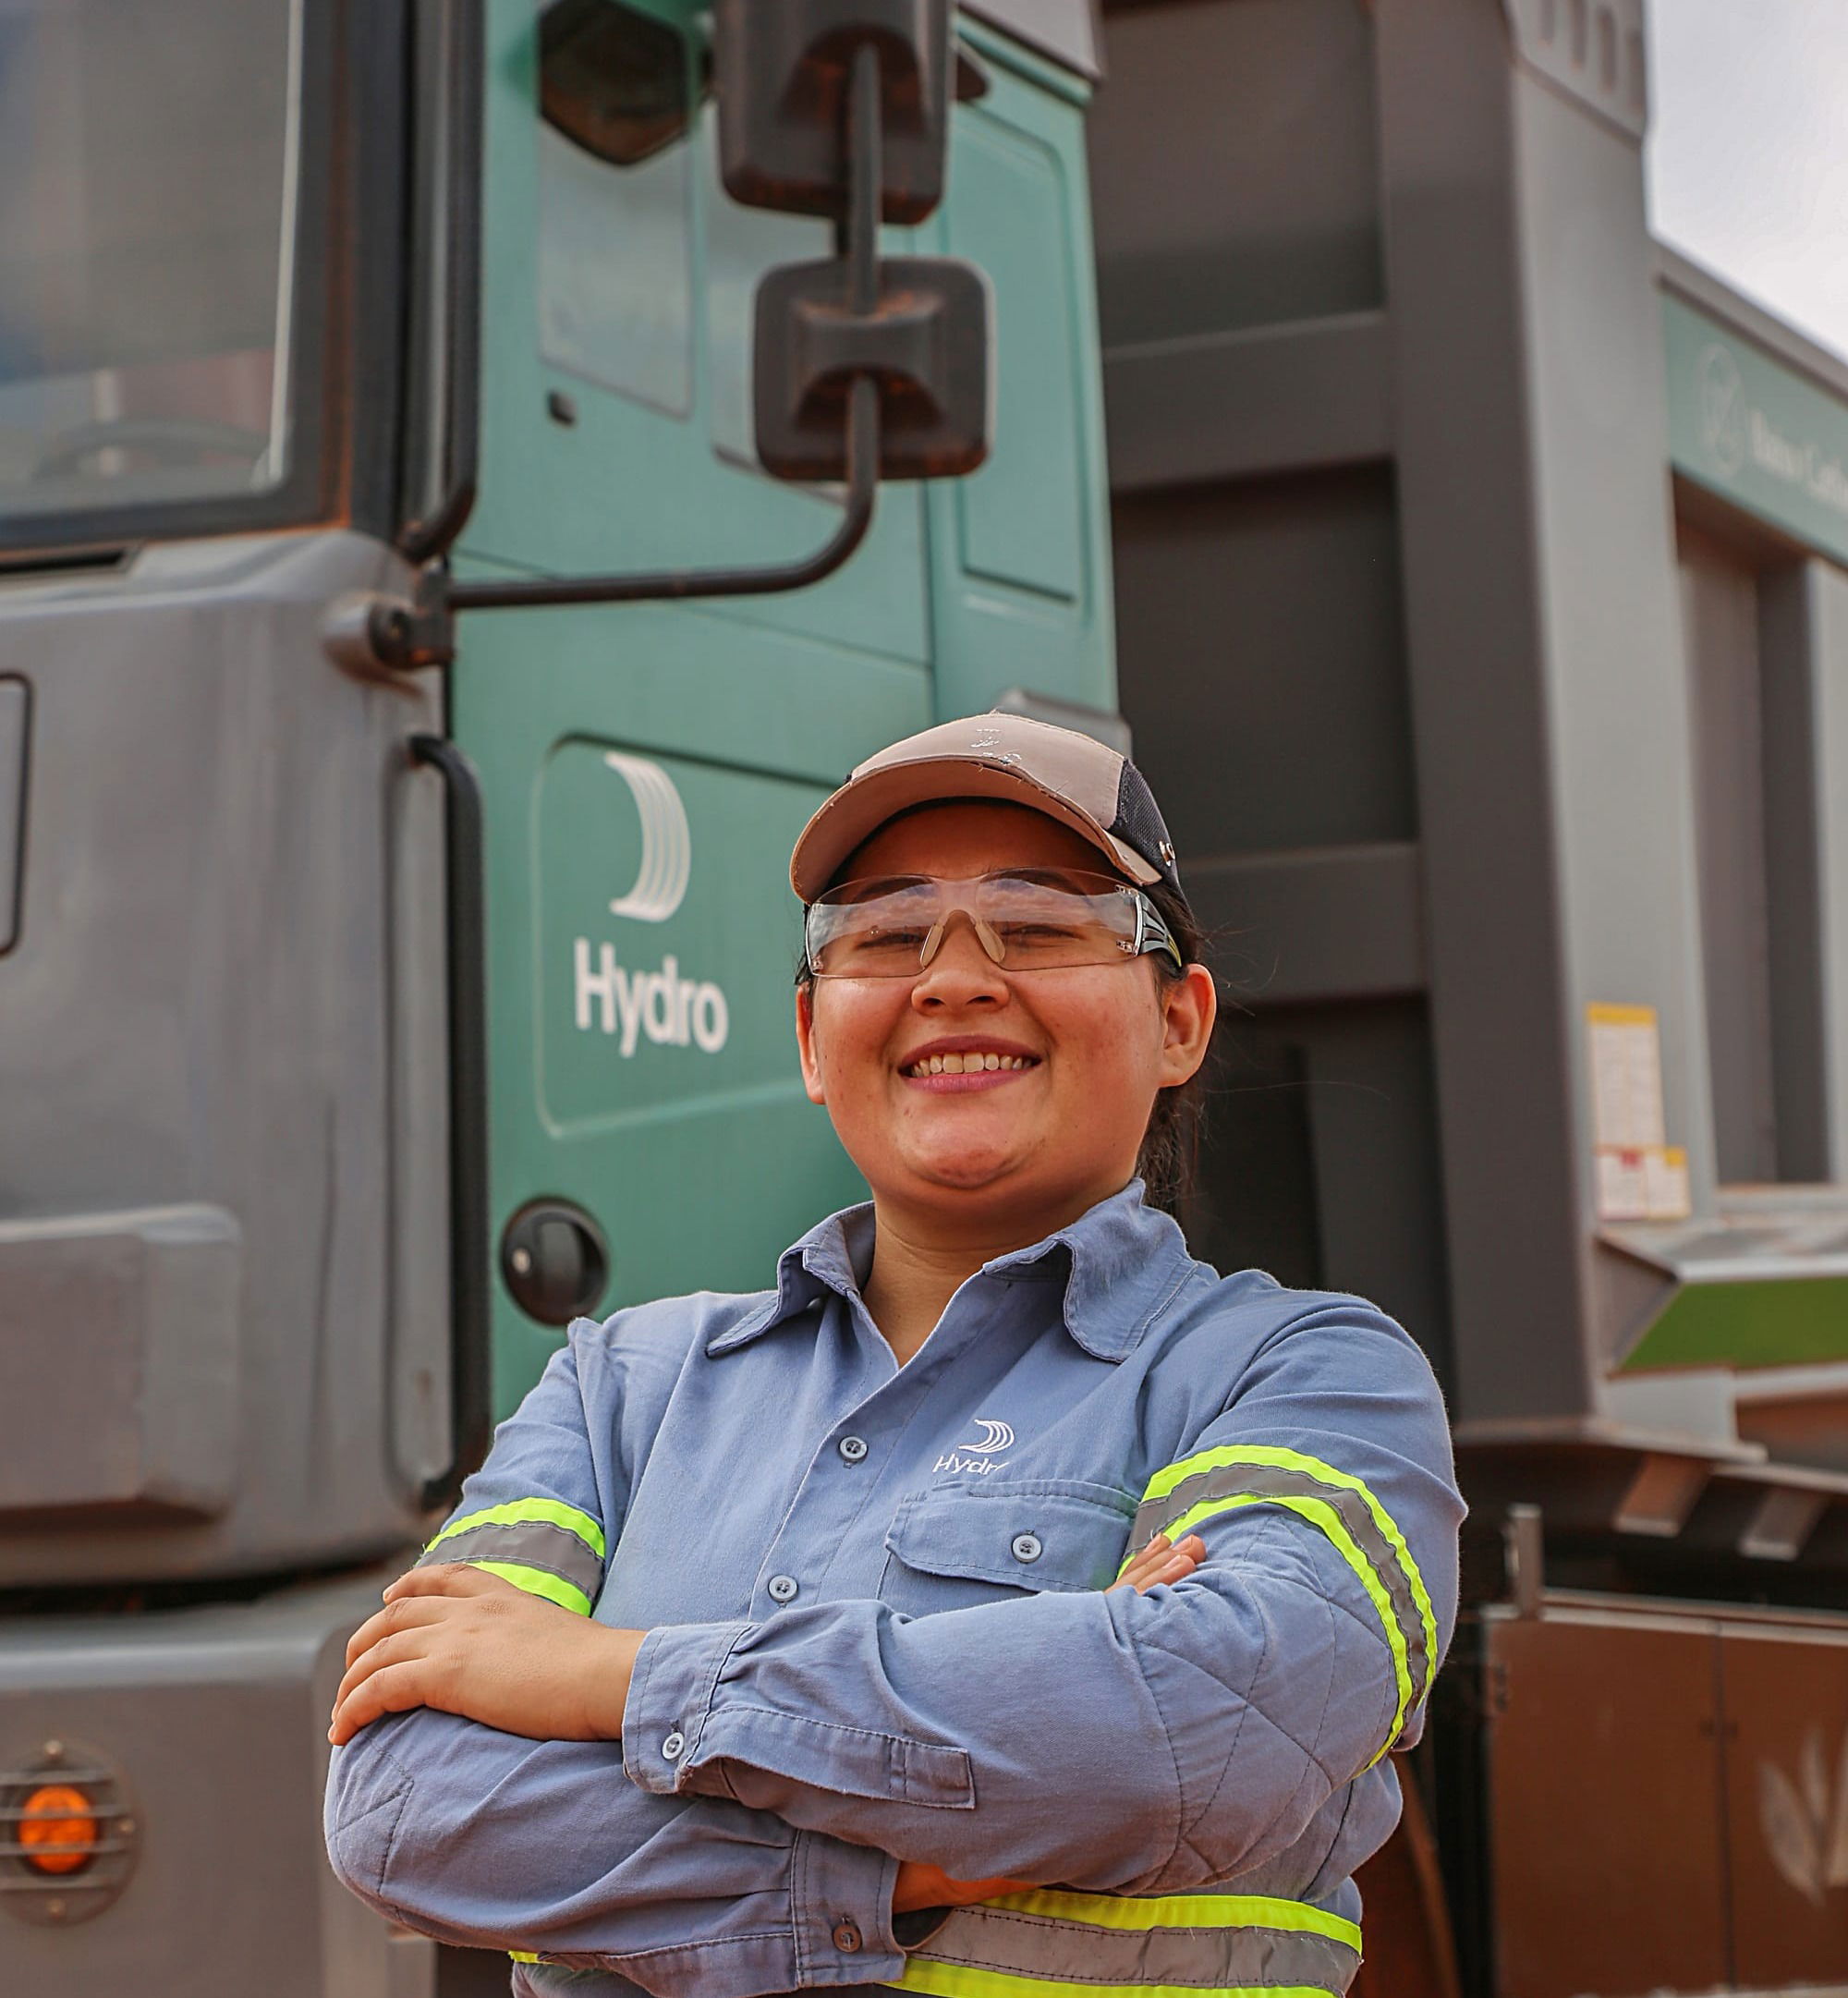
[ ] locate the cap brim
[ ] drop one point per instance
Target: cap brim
(859, 808)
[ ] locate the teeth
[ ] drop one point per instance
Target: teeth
(970, 1063)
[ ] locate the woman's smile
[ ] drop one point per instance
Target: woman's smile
(955, 1065)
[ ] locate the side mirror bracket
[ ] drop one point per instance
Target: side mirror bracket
(861, 368)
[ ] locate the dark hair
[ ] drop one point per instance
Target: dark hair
(1170, 1143)
(1170, 1140)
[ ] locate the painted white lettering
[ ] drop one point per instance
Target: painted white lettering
(672, 1011)
(711, 1018)
(599, 985)
(658, 1002)
(628, 1003)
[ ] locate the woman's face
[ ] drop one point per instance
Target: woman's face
(1095, 1042)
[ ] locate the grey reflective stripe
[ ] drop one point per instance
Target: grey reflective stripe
(531, 1544)
(1022, 1945)
(1271, 1480)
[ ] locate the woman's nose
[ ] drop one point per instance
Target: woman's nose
(960, 972)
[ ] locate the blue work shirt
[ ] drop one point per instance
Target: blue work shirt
(877, 1626)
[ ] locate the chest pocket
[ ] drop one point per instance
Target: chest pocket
(957, 1544)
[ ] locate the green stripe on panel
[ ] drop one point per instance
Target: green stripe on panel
(1772, 1322)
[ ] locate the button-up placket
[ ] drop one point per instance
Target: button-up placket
(832, 1542)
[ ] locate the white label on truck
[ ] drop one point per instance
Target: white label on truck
(1640, 1175)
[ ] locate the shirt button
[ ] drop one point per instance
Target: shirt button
(852, 1448)
(1026, 1547)
(674, 1746)
(846, 1937)
(782, 1588)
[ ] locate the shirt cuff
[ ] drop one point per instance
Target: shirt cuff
(841, 1910)
(670, 1695)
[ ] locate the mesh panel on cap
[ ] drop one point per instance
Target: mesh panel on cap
(1139, 823)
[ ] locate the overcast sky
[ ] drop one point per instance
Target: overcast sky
(1748, 149)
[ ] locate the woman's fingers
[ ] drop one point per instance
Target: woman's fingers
(392, 1689)
(448, 1579)
(390, 1647)
(1161, 1563)
(1141, 1565)
(400, 1614)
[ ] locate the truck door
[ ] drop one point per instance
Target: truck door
(646, 768)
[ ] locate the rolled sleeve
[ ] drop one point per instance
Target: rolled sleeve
(681, 1720)
(670, 1697)
(493, 1842)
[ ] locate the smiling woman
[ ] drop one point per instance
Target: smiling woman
(1002, 1605)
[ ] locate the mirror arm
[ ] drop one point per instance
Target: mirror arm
(862, 484)
(386, 632)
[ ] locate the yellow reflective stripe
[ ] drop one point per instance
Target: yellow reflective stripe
(954, 1981)
(1170, 1475)
(538, 1582)
(523, 1956)
(1319, 1513)
(1180, 1911)
(554, 1512)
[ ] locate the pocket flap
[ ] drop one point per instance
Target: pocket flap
(1025, 1534)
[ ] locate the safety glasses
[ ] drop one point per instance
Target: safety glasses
(1025, 919)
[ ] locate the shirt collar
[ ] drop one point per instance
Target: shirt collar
(1119, 1261)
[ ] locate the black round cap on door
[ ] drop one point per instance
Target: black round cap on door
(554, 1261)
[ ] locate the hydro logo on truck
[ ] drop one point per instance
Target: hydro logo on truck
(670, 1010)
(663, 987)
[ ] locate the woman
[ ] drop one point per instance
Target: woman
(788, 1641)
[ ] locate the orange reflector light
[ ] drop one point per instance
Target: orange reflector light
(57, 1826)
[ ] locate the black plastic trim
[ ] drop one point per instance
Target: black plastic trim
(444, 333)
(471, 1348)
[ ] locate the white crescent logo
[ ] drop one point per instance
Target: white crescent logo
(995, 1436)
(666, 844)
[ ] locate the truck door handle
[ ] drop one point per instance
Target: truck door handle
(470, 1351)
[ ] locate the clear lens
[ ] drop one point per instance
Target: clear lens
(1025, 921)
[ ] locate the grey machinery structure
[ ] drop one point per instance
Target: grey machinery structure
(1482, 612)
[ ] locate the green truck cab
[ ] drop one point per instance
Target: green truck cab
(385, 978)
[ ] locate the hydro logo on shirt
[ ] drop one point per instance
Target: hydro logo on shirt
(975, 1459)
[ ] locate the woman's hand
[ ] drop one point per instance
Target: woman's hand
(460, 1639)
(920, 1886)
(929, 1886)
(1160, 1561)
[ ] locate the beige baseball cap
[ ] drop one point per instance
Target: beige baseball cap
(1071, 778)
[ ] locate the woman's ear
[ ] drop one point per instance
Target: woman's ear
(1190, 1004)
(805, 1044)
